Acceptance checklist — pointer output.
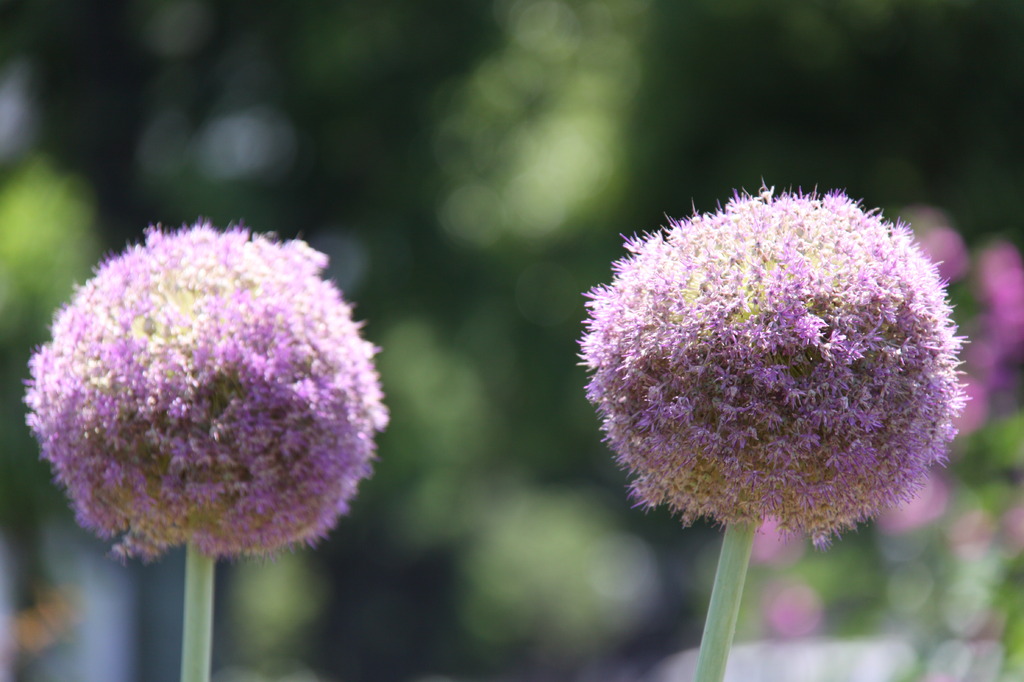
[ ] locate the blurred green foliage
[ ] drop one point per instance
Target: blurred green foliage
(47, 243)
(470, 167)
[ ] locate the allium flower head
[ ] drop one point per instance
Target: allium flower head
(207, 388)
(788, 357)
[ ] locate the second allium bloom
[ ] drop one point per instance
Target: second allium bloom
(207, 388)
(788, 357)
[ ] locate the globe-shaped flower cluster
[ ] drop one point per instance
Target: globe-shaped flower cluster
(788, 357)
(209, 388)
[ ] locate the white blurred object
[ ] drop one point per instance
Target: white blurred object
(821, 660)
(8, 643)
(101, 643)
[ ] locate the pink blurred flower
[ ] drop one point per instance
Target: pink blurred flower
(976, 411)
(772, 546)
(996, 351)
(792, 609)
(1000, 289)
(929, 504)
(939, 240)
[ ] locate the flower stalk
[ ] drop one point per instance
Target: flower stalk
(789, 356)
(724, 609)
(207, 388)
(197, 629)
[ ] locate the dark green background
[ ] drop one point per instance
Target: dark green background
(470, 167)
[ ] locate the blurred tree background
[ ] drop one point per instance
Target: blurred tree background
(469, 166)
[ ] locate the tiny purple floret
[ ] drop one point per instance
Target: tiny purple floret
(208, 388)
(788, 357)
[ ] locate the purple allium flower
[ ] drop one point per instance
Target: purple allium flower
(207, 388)
(788, 357)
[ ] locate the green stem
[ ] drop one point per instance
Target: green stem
(197, 633)
(720, 625)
